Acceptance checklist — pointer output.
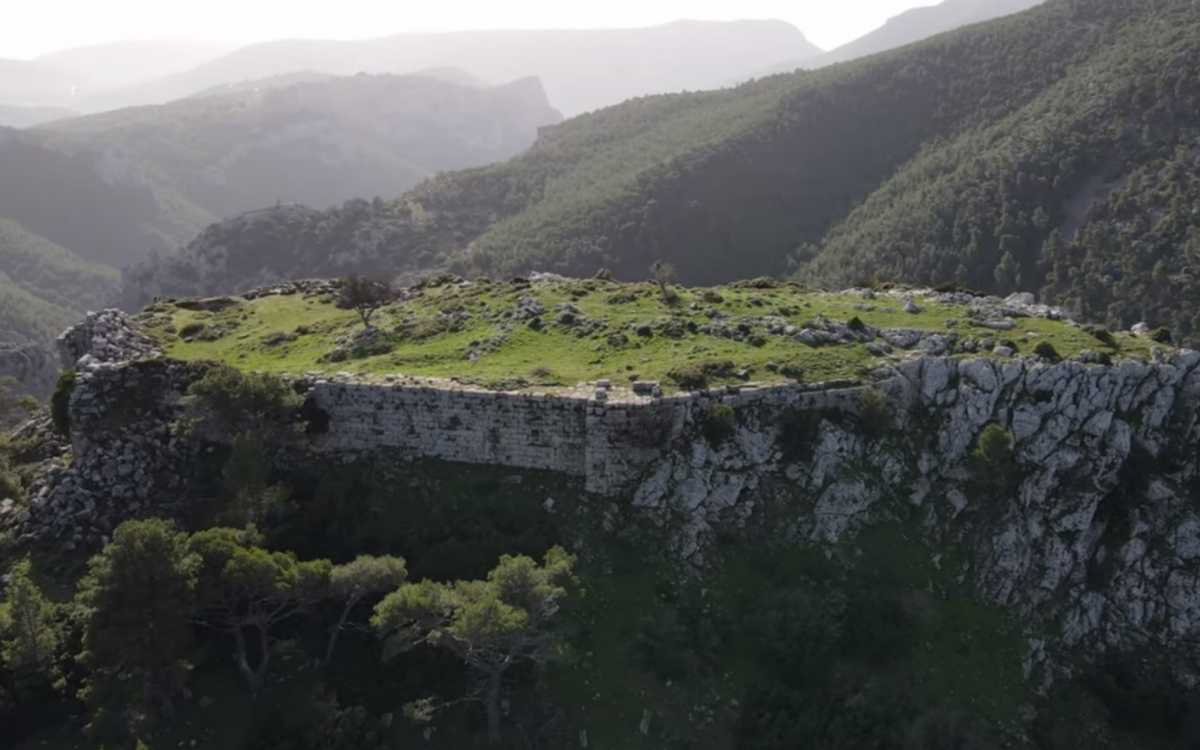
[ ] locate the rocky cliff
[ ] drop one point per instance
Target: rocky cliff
(1088, 528)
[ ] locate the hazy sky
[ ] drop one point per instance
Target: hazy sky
(33, 27)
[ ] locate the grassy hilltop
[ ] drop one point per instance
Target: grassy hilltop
(561, 332)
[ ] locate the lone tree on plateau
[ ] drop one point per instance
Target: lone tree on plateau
(365, 296)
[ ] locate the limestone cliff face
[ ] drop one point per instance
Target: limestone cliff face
(1091, 534)
(1094, 540)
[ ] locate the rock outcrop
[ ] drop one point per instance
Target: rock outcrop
(105, 336)
(1090, 532)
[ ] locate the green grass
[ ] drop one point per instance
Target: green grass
(555, 356)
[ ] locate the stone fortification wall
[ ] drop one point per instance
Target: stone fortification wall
(608, 439)
(453, 424)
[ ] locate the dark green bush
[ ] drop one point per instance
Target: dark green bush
(689, 377)
(695, 377)
(1046, 351)
(799, 431)
(875, 413)
(720, 422)
(60, 403)
(793, 371)
(236, 402)
(1104, 336)
(10, 484)
(1162, 336)
(995, 447)
(191, 330)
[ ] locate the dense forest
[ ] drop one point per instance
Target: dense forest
(1086, 195)
(830, 171)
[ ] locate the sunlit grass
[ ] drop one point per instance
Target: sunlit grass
(295, 333)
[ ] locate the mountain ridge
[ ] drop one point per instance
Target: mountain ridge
(116, 185)
(582, 69)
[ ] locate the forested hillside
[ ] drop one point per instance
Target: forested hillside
(43, 289)
(115, 186)
(1043, 108)
(53, 274)
(1088, 194)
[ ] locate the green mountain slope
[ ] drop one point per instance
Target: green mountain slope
(53, 273)
(724, 184)
(43, 289)
(115, 186)
(46, 286)
(1087, 194)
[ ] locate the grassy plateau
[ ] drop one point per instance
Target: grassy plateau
(558, 333)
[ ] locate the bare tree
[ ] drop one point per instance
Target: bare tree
(663, 274)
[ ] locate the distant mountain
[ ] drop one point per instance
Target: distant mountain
(1053, 151)
(581, 70)
(128, 63)
(25, 117)
(908, 27)
(449, 75)
(115, 186)
(25, 83)
(263, 84)
(69, 78)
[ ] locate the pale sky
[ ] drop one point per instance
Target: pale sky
(33, 27)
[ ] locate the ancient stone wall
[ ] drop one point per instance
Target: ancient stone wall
(608, 441)
(454, 424)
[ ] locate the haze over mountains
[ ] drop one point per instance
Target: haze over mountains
(115, 186)
(908, 27)
(581, 69)
(70, 78)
